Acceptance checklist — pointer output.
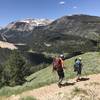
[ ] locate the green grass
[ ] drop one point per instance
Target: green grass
(27, 98)
(91, 62)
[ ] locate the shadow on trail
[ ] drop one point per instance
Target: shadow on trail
(73, 83)
(67, 84)
(84, 79)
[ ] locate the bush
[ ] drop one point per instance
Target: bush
(13, 69)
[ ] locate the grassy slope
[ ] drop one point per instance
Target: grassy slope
(43, 77)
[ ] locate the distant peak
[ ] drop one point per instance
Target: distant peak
(28, 24)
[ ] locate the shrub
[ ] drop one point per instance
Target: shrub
(12, 73)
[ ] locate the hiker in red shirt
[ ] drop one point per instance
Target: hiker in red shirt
(58, 65)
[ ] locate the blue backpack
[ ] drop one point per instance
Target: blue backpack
(76, 66)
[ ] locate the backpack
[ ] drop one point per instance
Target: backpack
(76, 66)
(56, 63)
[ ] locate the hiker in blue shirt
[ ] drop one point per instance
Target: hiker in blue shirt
(78, 68)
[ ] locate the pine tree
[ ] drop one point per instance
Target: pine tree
(12, 73)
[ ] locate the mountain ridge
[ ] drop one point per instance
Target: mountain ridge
(27, 24)
(73, 32)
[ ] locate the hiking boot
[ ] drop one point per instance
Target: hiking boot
(59, 85)
(77, 80)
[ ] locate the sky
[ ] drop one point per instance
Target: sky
(12, 10)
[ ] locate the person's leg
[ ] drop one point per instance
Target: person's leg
(77, 79)
(60, 80)
(61, 76)
(58, 72)
(80, 72)
(78, 76)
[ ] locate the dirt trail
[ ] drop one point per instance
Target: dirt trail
(53, 92)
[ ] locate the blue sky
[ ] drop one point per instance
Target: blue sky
(11, 10)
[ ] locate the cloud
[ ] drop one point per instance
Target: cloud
(74, 7)
(62, 2)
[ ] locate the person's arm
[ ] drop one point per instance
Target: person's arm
(62, 62)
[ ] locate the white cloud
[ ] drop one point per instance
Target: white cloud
(62, 2)
(74, 7)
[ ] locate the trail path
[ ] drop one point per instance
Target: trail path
(53, 92)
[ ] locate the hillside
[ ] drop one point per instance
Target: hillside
(70, 33)
(83, 90)
(79, 25)
(5, 50)
(46, 76)
(66, 34)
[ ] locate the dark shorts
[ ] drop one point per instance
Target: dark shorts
(79, 70)
(61, 74)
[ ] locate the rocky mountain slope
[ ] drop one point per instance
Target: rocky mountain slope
(28, 24)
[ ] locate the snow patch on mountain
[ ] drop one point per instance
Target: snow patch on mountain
(28, 24)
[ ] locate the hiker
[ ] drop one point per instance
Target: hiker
(58, 65)
(78, 68)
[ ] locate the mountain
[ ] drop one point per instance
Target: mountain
(22, 28)
(80, 25)
(28, 24)
(0, 27)
(67, 34)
